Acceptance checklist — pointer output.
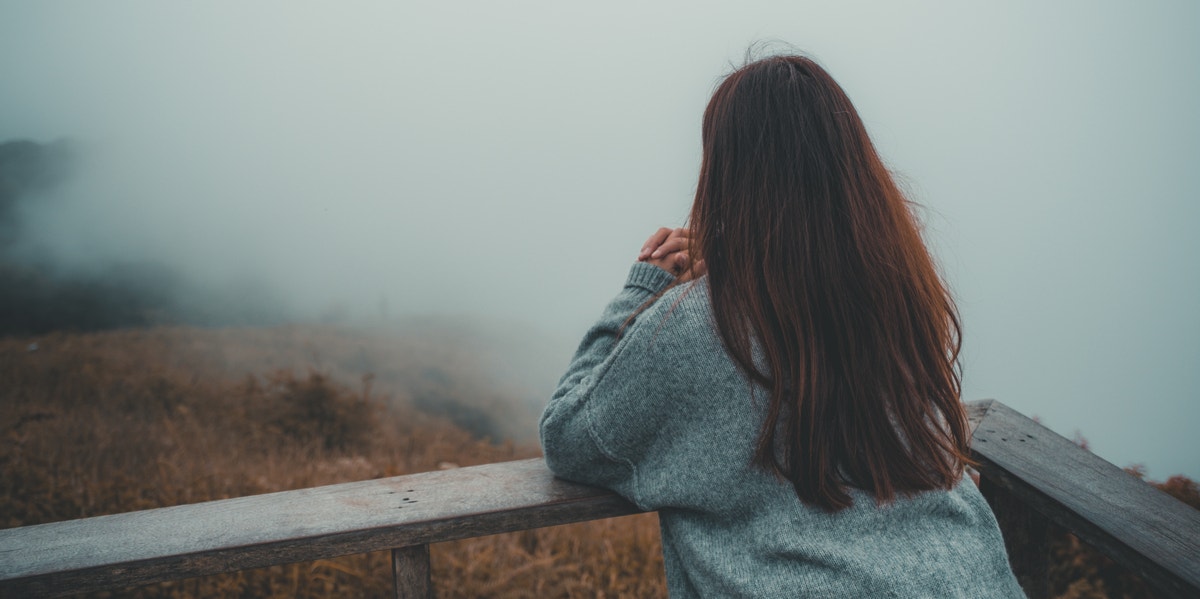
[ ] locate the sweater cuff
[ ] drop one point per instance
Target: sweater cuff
(648, 277)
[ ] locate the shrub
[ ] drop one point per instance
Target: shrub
(313, 409)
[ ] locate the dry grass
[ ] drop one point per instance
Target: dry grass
(112, 422)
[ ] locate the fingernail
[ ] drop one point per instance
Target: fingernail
(656, 254)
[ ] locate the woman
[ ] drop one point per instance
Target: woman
(779, 379)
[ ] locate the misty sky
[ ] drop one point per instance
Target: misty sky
(506, 161)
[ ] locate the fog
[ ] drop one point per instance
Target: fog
(505, 161)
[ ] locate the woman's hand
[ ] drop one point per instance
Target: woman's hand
(669, 249)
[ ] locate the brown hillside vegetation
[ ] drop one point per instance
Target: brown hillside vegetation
(110, 422)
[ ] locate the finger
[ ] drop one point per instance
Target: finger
(675, 263)
(663, 235)
(681, 261)
(698, 269)
(655, 240)
(671, 245)
(667, 263)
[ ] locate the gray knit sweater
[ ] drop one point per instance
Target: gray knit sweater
(663, 417)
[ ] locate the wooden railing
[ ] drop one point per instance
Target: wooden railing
(1033, 478)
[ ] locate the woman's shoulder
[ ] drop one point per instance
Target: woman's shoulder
(683, 311)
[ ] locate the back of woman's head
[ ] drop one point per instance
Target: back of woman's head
(815, 260)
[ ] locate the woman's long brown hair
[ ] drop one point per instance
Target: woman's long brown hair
(823, 291)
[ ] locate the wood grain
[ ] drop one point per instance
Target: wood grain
(248, 532)
(411, 572)
(1152, 533)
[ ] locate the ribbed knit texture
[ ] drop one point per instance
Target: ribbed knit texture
(661, 415)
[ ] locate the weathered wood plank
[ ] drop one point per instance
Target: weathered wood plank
(1152, 533)
(248, 532)
(411, 572)
(976, 410)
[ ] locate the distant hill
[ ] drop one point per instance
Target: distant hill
(38, 295)
(27, 167)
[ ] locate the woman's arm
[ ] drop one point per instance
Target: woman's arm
(607, 409)
(572, 431)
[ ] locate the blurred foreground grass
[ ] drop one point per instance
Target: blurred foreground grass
(126, 420)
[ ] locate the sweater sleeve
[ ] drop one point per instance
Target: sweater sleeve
(580, 427)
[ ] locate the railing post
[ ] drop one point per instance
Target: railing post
(1026, 538)
(410, 570)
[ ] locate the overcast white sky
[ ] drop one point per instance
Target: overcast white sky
(506, 160)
